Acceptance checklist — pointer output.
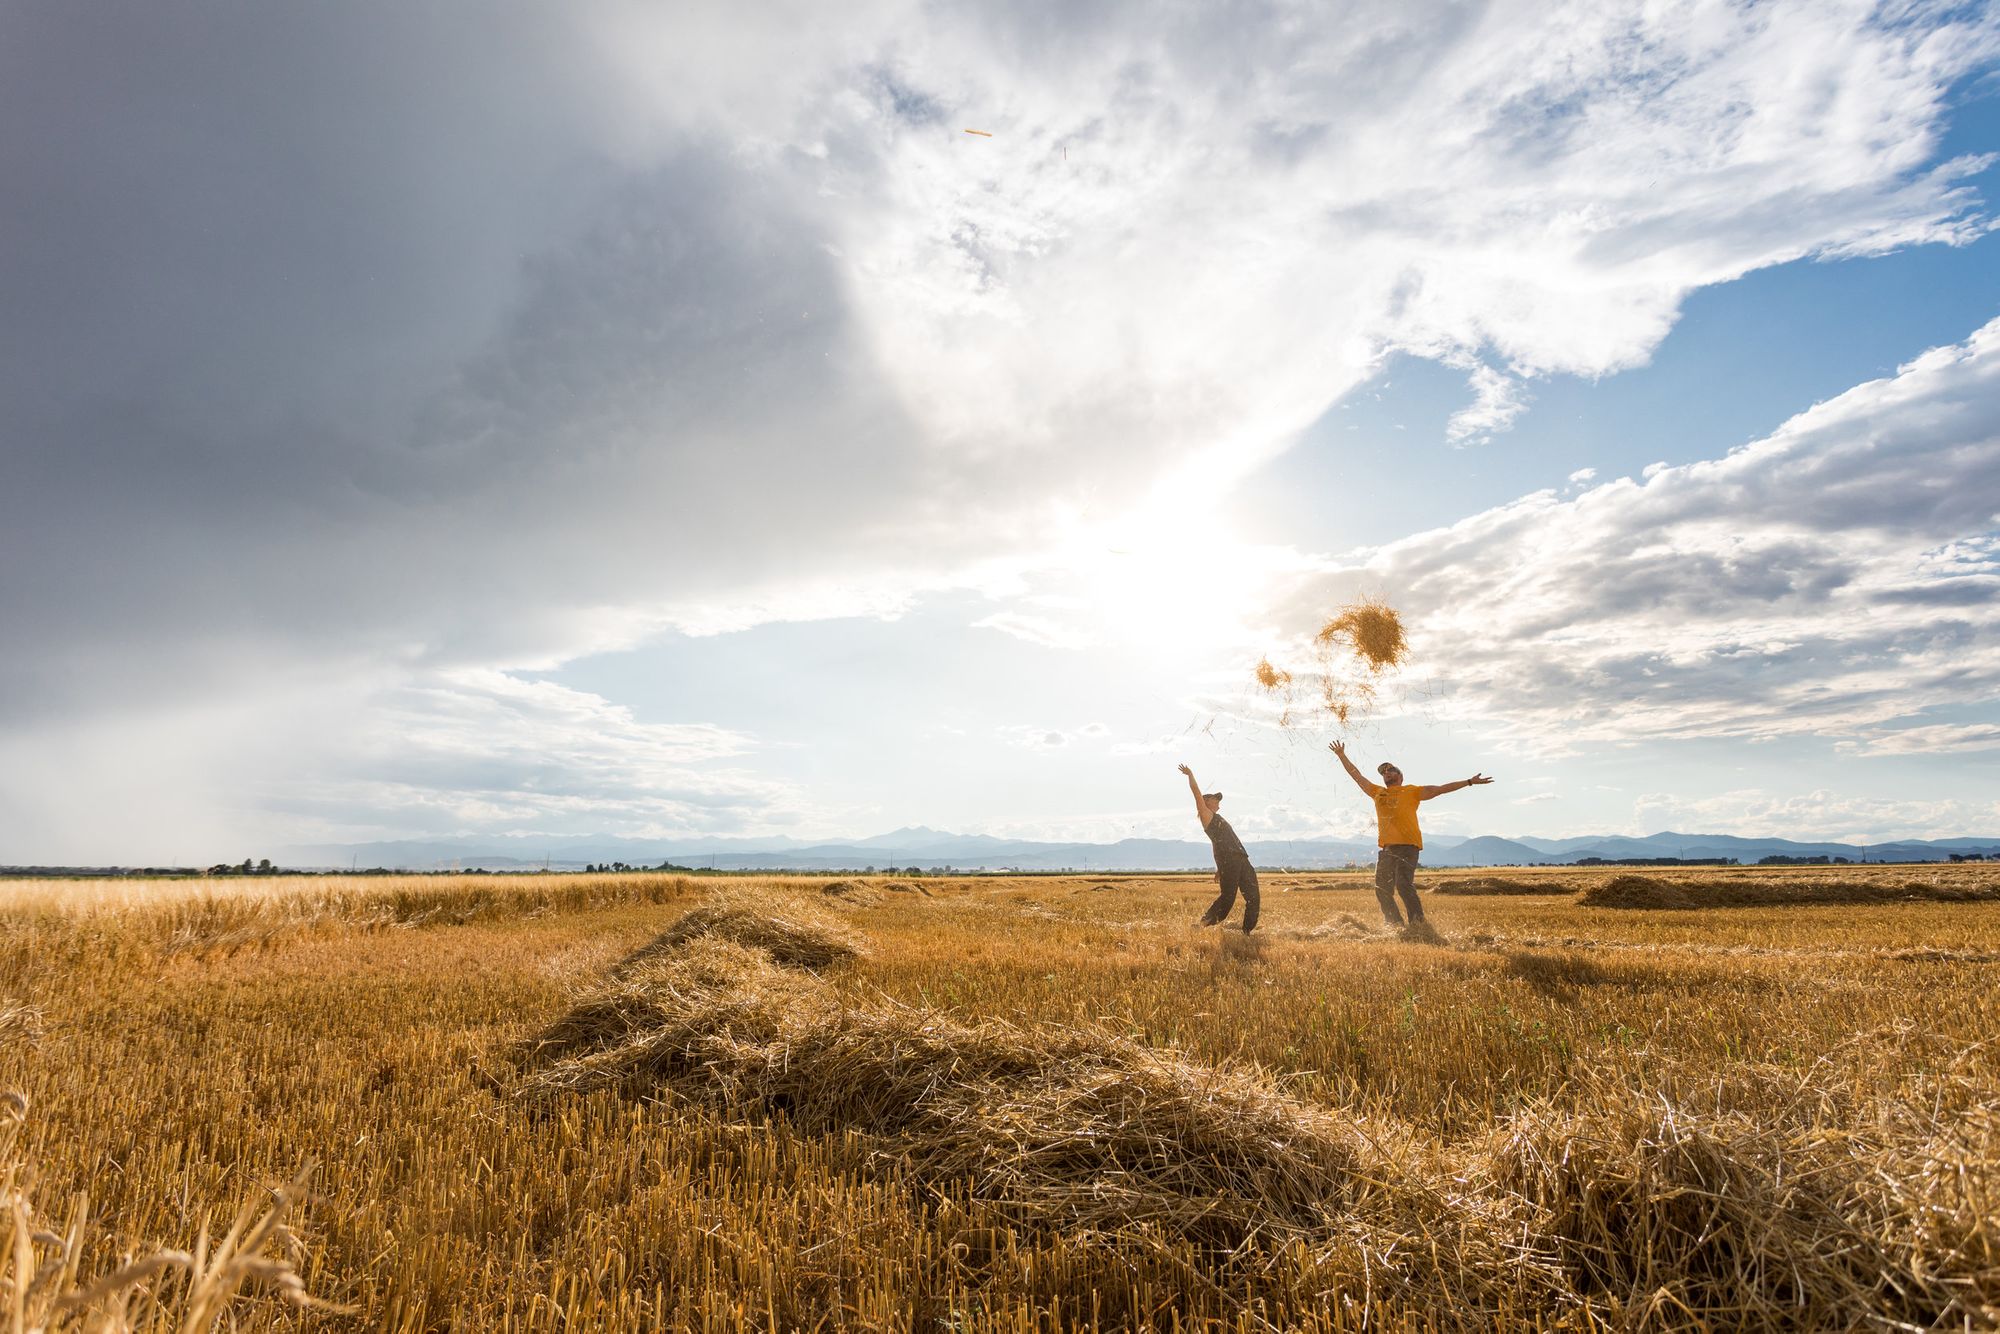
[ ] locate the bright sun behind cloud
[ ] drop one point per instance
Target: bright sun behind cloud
(1171, 577)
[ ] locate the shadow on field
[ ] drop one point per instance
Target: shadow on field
(1561, 975)
(1238, 948)
(1340, 926)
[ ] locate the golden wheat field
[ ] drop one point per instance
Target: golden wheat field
(648, 1102)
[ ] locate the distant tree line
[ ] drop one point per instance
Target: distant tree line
(1655, 861)
(611, 868)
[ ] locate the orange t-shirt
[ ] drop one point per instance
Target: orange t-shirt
(1396, 815)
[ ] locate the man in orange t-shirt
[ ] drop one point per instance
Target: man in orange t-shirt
(1396, 834)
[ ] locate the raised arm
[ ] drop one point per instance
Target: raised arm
(1438, 790)
(1340, 748)
(1200, 806)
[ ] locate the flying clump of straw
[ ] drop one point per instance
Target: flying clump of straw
(1351, 652)
(1371, 629)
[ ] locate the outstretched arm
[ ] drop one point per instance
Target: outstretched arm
(1426, 793)
(1340, 748)
(1200, 806)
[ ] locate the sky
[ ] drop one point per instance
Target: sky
(665, 420)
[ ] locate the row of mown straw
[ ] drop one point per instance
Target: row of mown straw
(1766, 1200)
(1493, 884)
(865, 893)
(1638, 891)
(791, 930)
(1670, 1213)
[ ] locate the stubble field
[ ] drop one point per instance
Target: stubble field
(641, 1101)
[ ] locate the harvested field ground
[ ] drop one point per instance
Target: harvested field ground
(640, 1102)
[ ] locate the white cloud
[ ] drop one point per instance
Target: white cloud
(1030, 737)
(1931, 739)
(1497, 400)
(1831, 579)
(1175, 822)
(1814, 815)
(1160, 745)
(468, 751)
(1041, 630)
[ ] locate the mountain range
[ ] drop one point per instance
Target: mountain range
(932, 849)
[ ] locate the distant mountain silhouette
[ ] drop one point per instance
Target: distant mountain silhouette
(934, 848)
(1485, 850)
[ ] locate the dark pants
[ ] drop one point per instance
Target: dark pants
(1235, 876)
(1396, 873)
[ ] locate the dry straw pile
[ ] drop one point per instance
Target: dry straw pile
(867, 894)
(1099, 1140)
(1639, 891)
(1493, 884)
(1763, 1202)
(790, 928)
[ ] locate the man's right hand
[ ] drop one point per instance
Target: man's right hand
(1189, 772)
(1338, 747)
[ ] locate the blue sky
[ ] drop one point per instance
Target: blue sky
(1743, 357)
(666, 421)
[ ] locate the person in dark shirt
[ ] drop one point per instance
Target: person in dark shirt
(1232, 863)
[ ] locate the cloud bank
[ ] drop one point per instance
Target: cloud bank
(1839, 578)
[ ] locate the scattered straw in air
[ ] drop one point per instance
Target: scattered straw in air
(1368, 631)
(983, 134)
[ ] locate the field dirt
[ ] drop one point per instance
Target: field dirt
(656, 1102)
